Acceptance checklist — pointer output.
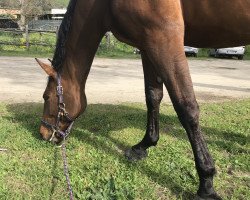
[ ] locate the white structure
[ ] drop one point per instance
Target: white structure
(58, 13)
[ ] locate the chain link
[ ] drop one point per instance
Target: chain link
(66, 170)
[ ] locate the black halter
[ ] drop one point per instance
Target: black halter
(62, 113)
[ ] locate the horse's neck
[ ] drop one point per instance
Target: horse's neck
(84, 38)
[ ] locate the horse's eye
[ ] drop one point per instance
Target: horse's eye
(45, 97)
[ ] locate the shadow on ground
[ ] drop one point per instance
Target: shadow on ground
(95, 120)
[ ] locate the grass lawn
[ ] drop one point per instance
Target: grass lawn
(32, 168)
(115, 49)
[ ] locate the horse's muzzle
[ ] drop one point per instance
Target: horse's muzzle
(50, 135)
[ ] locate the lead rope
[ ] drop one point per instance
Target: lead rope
(55, 128)
(66, 170)
(64, 134)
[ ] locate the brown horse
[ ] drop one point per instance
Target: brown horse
(157, 28)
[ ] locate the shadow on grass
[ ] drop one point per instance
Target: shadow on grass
(28, 115)
(104, 119)
(55, 177)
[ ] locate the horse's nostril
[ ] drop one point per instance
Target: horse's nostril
(44, 133)
(42, 137)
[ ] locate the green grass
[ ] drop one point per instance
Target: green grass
(116, 49)
(61, 3)
(35, 38)
(32, 168)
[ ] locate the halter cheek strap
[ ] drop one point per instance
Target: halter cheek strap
(62, 113)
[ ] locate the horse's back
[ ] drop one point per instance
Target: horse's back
(216, 23)
(208, 23)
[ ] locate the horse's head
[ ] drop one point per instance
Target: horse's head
(61, 105)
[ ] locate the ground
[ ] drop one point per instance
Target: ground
(98, 168)
(121, 80)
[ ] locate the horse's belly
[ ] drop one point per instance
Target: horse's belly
(213, 39)
(213, 23)
(136, 21)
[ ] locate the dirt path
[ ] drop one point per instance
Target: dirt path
(121, 80)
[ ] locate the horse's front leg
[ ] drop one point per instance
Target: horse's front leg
(167, 54)
(154, 94)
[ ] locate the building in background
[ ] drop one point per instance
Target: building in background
(58, 13)
(14, 13)
(50, 20)
(9, 18)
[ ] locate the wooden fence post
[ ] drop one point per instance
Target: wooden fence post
(57, 31)
(27, 37)
(108, 41)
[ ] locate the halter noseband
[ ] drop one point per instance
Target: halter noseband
(62, 113)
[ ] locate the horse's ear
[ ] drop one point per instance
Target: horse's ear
(47, 68)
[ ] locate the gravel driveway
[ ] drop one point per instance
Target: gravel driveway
(121, 80)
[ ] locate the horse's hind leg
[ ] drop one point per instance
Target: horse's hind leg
(168, 56)
(154, 94)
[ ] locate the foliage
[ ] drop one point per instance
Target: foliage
(203, 52)
(113, 48)
(32, 8)
(6, 16)
(247, 54)
(108, 48)
(28, 7)
(33, 3)
(32, 168)
(10, 3)
(48, 39)
(60, 3)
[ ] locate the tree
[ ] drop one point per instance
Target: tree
(60, 3)
(31, 9)
(9, 3)
(42, 3)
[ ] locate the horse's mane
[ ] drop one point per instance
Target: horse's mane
(63, 33)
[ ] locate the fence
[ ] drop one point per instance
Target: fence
(44, 39)
(39, 36)
(27, 38)
(45, 25)
(38, 33)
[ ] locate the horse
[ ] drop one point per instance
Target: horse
(159, 29)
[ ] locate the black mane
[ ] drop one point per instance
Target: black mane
(64, 30)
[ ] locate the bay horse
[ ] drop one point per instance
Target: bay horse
(159, 28)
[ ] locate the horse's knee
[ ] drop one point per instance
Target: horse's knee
(153, 96)
(193, 113)
(188, 113)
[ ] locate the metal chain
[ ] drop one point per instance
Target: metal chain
(66, 170)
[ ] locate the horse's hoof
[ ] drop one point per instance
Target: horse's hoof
(213, 196)
(135, 154)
